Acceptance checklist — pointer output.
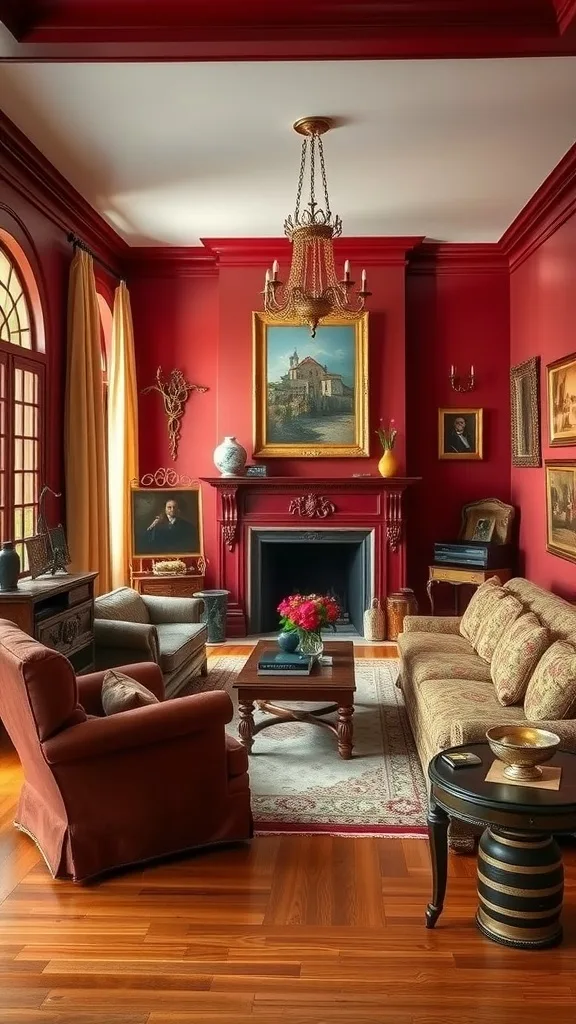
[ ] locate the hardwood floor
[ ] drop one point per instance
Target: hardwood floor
(306, 929)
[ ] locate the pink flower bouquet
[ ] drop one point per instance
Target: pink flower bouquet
(308, 613)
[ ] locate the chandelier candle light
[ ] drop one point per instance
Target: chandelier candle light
(306, 615)
(313, 290)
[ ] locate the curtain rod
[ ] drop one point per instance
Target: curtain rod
(79, 244)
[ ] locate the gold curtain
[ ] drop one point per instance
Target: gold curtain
(122, 435)
(84, 431)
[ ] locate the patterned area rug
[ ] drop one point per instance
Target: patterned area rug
(298, 782)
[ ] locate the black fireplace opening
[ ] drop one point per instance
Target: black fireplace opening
(335, 562)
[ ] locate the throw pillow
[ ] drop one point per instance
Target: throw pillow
(515, 656)
(481, 601)
(551, 693)
(496, 622)
(122, 693)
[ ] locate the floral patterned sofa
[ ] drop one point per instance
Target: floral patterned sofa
(511, 658)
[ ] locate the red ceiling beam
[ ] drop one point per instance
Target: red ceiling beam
(137, 30)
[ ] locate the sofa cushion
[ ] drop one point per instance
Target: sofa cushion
(122, 693)
(414, 645)
(553, 611)
(123, 604)
(551, 692)
(481, 602)
(516, 655)
(450, 666)
(450, 706)
(178, 642)
(496, 624)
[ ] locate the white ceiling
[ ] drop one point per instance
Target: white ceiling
(171, 153)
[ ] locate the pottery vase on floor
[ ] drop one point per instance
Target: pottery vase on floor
(388, 465)
(214, 614)
(288, 641)
(9, 566)
(230, 457)
(398, 606)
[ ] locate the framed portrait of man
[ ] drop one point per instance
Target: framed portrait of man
(460, 434)
(166, 522)
(310, 394)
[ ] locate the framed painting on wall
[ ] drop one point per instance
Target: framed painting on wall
(460, 434)
(525, 413)
(562, 400)
(166, 521)
(310, 394)
(561, 509)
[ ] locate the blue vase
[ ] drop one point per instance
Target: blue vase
(9, 566)
(288, 641)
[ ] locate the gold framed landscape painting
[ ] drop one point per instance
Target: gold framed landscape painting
(561, 509)
(310, 394)
(562, 400)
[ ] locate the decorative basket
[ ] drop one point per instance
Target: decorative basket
(169, 567)
(374, 622)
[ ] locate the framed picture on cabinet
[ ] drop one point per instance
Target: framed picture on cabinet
(525, 413)
(561, 376)
(310, 394)
(561, 509)
(460, 434)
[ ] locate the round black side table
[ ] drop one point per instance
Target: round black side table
(520, 873)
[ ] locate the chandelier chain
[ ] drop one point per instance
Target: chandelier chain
(312, 202)
(301, 178)
(324, 180)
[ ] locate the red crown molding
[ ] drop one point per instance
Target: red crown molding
(29, 172)
(127, 30)
(176, 261)
(261, 252)
(458, 258)
(566, 16)
(550, 206)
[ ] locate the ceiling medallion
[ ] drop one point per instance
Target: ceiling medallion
(313, 291)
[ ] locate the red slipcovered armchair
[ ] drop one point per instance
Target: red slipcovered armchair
(102, 793)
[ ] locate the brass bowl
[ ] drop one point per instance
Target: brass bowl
(522, 748)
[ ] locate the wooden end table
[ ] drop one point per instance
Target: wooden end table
(520, 873)
(458, 576)
(332, 683)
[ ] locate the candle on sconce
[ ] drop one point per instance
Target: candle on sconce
(472, 371)
(363, 281)
(347, 270)
(275, 269)
(452, 371)
(267, 280)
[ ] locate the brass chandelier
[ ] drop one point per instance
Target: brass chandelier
(313, 290)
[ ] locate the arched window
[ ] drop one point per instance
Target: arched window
(22, 365)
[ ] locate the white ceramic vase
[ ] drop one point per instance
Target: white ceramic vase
(230, 457)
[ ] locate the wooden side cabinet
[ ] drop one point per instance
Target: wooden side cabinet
(185, 585)
(58, 611)
(458, 576)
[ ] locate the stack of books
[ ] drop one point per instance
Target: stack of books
(280, 663)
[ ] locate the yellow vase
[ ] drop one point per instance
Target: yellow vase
(388, 465)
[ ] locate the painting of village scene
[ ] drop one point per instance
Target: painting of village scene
(561, 509)
(309, 392)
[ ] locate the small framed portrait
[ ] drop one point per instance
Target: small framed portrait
(484, 528)
(561, 509)
(562, 400)
(460, 434)
(166, 521)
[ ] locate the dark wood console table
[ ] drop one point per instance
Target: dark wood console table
(58, 611)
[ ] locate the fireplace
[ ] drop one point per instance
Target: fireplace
(336, 562)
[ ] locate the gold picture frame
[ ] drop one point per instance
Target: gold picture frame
(152, 534)
(561, 508)
(525, 413)
(308, 407)
(561, 382)
(457, 443)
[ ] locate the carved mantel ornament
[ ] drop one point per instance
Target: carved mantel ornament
(312, 506)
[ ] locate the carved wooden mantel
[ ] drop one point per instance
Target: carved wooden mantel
(244, 503)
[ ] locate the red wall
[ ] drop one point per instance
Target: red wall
(543, 323)
(455, 314)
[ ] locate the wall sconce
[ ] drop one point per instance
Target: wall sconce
(462, 383)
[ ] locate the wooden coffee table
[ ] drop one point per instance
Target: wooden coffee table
(332, 683)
